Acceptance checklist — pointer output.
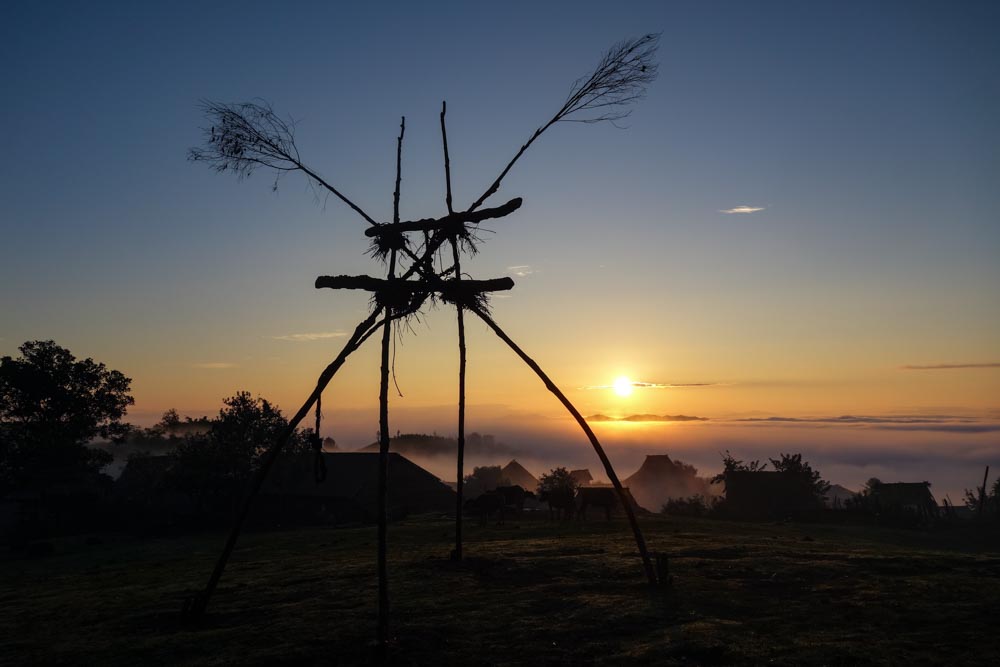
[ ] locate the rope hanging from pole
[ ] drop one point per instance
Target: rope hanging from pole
(319, 463)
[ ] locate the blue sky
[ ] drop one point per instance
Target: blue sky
(866, 133)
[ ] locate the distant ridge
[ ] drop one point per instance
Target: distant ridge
(647, 418)
(421, 444)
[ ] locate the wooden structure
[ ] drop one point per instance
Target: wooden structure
(249, 136)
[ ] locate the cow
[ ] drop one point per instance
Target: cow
(600, 496)
(485, 506)
(561, 503)
(514, 497)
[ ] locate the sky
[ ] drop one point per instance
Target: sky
(798, 223)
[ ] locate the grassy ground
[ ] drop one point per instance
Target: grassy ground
(531, 592)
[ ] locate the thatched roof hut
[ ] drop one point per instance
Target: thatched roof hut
(904, 498)
(350, 490)
(660, 479)
(766, 494)
(518, 475)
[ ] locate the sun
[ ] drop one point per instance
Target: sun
(622, 386)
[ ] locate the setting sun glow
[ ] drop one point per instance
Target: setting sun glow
(622, 386)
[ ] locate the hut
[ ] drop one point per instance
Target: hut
(904, 499)
(518, 475)
(660, 479)
(582, 477)
(766, 494)
(349, 493)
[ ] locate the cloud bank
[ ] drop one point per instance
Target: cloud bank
(934, 423)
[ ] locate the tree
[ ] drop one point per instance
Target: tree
(216, 465)
(558, 480)
(51, 406)
(793, 465)
(732, 464)
(483, 479)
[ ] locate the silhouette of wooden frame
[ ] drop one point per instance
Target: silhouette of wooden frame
(396, 297)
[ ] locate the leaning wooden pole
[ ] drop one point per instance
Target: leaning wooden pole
(640, 542)
(195, 607)
(460, 459)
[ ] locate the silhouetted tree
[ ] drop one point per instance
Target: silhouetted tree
(990, 502)
(793, 465)
(732, 464)
(483, 479)
(51, 406)
(216, 465)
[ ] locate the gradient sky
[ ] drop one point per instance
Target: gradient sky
(866, 133)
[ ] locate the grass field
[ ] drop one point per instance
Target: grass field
(531, 592)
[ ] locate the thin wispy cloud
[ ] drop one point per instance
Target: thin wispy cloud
(655, 385)
(309, 337)
(939, 367)
(521, 270)
(933, 423)
(742, 209)
(647, 418)
(215, 365)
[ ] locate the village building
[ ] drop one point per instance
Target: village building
(349, 492)
(517, 475)
(660, 479)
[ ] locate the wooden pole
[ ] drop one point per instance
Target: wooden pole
(982, 492)
(640, 541)
(460, 459)
(195, 607)
(383, 426)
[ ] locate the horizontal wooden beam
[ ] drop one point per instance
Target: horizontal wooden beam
(447, 288)
(452, 220)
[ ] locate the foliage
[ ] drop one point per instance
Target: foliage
(215, 465)
(792, 464)
(732, 464)
(696, 505)
(483, 479)
(51, 406)
(990, 504)
(557, 481)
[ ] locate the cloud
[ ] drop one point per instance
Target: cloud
(309, 337)
(215, 365)
(743, 209)
(521, 270)
(647, 418)
(656, 385)
(938, 367)
(932, 423)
